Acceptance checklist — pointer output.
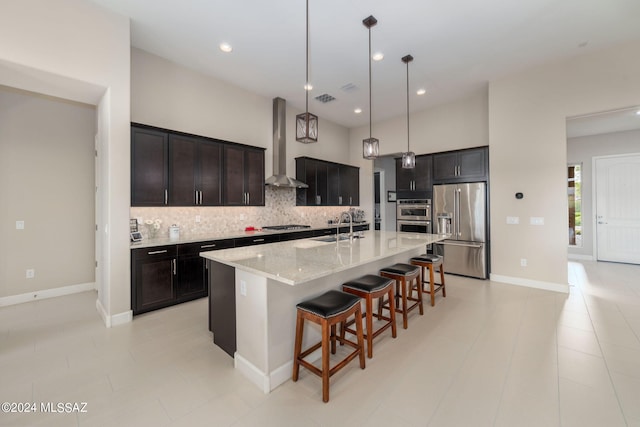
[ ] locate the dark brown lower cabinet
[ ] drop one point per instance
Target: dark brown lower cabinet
(192, 272)
(153, 283)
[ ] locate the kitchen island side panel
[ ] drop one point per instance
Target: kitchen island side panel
(222, 306)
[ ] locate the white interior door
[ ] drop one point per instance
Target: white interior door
(618, 209)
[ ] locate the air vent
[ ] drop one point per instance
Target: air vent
(325, 98)
(349, 87)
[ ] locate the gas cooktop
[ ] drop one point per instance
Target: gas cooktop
(286, 227)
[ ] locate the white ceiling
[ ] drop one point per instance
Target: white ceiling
(458, 46)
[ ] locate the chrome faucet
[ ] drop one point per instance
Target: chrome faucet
(348, 213)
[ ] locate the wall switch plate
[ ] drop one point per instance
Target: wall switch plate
(243, 288)
(31, 273)
(536, 220)
(197, 218)
(242, 217)
(513, 220)
(523, 262)
(19, 225)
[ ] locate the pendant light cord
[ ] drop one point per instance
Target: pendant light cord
(370, 113)
(408, 150)
(306, 86)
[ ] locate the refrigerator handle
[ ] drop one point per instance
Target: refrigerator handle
(457, 209)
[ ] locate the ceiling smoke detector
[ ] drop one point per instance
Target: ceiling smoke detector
(324, 98)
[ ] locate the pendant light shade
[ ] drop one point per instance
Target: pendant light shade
(307, 123)
(371, 145)
(408, 158)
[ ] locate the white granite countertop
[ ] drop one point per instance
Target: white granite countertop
(299, 261)
(162, 241)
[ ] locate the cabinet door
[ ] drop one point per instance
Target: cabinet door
(335, 197)
(254, 177)
(445, 166)
(149, 167)
(473, 164)
(183, 166)
(192, 281)
(234, 166)
(154, 278)
(404, 177)
(350, 185)
(422, 173)
(210, 173)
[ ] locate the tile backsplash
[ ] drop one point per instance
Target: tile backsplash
(280, 208)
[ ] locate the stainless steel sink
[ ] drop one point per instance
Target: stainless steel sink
(334, 238)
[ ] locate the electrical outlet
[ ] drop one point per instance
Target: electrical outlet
(197, 218)
(31, 273)
(242, 217)
(243, 288)
(19, 225)
(536, 220)
(523, 262)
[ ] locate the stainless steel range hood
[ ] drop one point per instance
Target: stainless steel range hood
(280, 178)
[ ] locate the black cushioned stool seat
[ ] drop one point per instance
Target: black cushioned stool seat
(407, 278)
(370, 287)
(431, 262)
(328, 310)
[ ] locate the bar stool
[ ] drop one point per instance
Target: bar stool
(431, 262)
(404, 276)
(370, 287)
(328, 310)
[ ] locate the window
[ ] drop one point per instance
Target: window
(574, 192)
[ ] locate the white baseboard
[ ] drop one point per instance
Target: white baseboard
(116, 319)
(46, 293)
(252, 373)
(548, 286)
(281, 375)
(580, 257)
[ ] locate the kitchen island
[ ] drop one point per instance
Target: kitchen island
(264, 283)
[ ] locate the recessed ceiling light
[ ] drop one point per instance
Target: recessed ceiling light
(378, 56)
(638, 112)
(358, 110)
(225, 47)
(421, 91)
(308, 86)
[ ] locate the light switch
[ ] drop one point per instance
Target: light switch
(513, 220)
(536, 220)
(19, 225)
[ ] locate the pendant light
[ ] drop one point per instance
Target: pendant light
(408, 158)
(307, 123)
(371, 145)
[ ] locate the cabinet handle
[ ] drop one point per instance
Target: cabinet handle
(350, 200)
(174, 266)
(196, 196)
(258, 240)
(157, 252)
(340, 200)
(166, 196)
(200, 196)
(248, 198)
(208, 246)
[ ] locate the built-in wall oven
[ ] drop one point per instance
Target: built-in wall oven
(414, 216)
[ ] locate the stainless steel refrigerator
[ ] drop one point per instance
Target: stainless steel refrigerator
(460, 209)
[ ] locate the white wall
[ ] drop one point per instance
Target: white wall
(582, 150)
(528, 154)
(47, 181)
(167, 95)
(76, 50)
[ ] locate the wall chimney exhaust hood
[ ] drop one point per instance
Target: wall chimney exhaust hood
(280, 178)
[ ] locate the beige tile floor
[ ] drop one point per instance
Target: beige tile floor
(489, 354)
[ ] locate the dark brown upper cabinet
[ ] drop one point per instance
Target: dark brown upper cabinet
(330, 184)
(195, 171)
(171, 168)
(149, 167)
(414, 179)
(243, 176)
(462, 165)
